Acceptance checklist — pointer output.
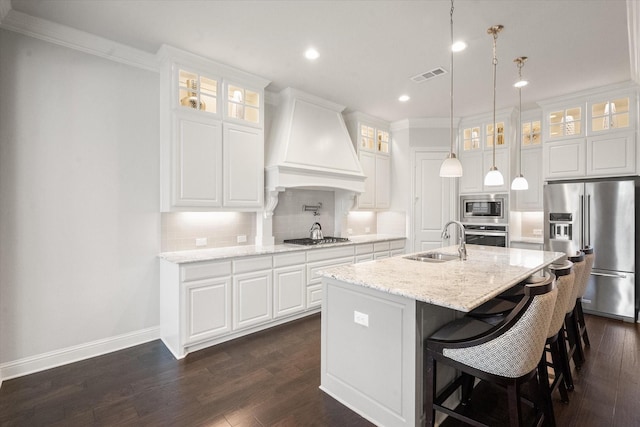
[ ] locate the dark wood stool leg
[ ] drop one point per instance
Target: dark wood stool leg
(429, 389)
(467, 388)
(564, 356)
(558, 369)
(581, 322)
(515, 412)
(575, 344)
(545, 391)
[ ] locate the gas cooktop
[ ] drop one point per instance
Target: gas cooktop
(308, 242)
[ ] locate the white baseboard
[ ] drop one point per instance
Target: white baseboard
(52, 359)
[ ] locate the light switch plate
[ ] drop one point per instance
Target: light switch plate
(201, 241)
(242, 238)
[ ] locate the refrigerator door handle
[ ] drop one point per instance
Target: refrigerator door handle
(588, 221)
(581, 243)
(615, 275)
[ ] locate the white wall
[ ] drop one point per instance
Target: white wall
(79, 221)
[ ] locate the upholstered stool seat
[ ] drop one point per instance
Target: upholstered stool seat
(506, 354)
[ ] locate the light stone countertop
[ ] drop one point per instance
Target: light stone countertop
(456, 284)
(196, 255)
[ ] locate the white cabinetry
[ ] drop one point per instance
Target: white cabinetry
(211, 133)
(252, 291)
(591, 136)
(476, 153)
(290, 286)
(372, 140)
(320, 259)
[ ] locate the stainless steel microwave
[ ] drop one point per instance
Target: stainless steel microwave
(484, 208)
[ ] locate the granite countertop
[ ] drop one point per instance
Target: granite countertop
(456, 284)
(537, 240)
(196, 255)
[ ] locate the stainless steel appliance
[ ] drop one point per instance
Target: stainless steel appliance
(602, 214)
(306, 241)
(486, 219)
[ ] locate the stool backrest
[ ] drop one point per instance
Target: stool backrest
(578, 268)
(514, 347)
(565, 282)
(589, 258)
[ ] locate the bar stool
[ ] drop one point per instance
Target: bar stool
(571, 327)
(589, 258)
(555, 344)
(506, 354)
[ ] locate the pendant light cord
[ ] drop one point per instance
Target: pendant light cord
(451, 88)
(520, 117)
(495, 66)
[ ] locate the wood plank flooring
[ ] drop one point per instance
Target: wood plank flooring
(271, 378)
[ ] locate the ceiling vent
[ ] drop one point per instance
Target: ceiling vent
(427, 75)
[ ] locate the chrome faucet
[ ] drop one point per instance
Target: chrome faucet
(462, 249)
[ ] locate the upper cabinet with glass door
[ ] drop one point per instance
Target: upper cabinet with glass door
(609, 115)
(565, 123)
(243, 104)
(197, 92)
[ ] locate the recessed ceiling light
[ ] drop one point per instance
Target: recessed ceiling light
(311, 54)
(404, 98)
(458, 46)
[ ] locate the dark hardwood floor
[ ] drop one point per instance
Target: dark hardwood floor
(271, 378)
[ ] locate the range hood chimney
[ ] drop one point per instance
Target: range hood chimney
(309, 147)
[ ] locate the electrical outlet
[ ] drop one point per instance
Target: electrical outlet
(537, 232)
(367, 229)
(361, 318)
(349, 231)
(201, 241)
(242, 238)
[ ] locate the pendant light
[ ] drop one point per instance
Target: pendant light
(520, 182)
(494, 177)
(451, 166)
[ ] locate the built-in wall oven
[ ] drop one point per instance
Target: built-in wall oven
(486, 219)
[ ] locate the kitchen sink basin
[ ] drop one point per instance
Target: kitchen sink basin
(432, 257)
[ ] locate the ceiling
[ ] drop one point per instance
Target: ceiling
(370, 49)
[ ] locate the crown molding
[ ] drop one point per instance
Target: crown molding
(75, 39)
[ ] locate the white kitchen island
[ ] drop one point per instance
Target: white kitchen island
(375, 317)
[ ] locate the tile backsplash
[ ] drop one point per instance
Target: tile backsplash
(221, 229)
(181, 229)
(290, 221)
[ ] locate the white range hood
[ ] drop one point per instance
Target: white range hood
(309, 147)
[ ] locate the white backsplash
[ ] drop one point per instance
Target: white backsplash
(526, 225)
(290, 221)
(181, 229)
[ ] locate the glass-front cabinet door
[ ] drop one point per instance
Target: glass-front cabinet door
(490, 136)
(242, 104)
(531, 133)
(197, 92)
(383, 141)
(565, 123)
(471, 138)
(367, 137)
(610, 115)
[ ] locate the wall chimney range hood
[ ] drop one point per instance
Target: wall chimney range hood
(309, 147)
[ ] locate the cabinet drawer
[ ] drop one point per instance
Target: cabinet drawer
(284, 260)
(312, 269)
(314, 296)
(380, 246)
(364, 258)
(329, 253)
(396, 244)
(245, 265)
(204, 270)
(364, 249)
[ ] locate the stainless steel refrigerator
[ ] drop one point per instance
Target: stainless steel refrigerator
(602, 214)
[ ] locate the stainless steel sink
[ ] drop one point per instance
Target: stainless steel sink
(432, 257)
